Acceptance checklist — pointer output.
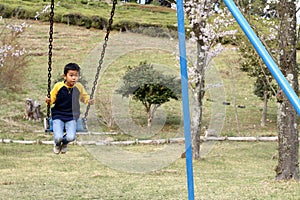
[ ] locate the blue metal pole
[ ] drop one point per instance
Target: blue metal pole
(263, 53)
(185, 100)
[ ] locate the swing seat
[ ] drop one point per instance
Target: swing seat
(81, 125)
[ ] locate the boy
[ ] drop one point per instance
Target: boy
(66, 110)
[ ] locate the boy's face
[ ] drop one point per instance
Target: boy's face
(71, 78)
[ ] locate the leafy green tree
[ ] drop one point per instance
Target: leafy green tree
(287, 125)
(150, 87)
(264, 86)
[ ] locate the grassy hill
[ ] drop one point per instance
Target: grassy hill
(93, 13)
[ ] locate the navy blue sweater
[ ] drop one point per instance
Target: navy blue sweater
(66, 101)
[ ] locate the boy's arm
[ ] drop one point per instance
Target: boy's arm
(53, 94)
(84, 97)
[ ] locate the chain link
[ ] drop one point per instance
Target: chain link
(50, 55)
(109, 27)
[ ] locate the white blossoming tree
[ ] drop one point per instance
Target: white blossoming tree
(12, 55)
(207, 27)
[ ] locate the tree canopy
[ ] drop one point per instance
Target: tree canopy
(149, 86)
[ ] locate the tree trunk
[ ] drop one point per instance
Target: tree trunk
(150, 109)
(288, 144)
(265, 108)
(196, 123)
(199, 94)
(149, 119)
(233, 78)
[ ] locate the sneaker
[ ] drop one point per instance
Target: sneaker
(56, 149)
(64, 148)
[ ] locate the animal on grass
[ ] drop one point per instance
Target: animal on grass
(32, 110)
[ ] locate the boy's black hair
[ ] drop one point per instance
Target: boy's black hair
(71, 66)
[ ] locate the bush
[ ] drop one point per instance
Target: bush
(12, 57)
(84, 1)
(19, 13)
(99, 22)
(79, 19)
(125, 25)
(5, 11)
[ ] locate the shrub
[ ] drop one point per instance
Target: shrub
(84, 1)
(13, 57)
(99, 22)
(5, 11)
(77, 19)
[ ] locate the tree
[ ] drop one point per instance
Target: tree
(262, 8)
(207, 29)
(13, 57)
(264, 85)
(150, 87)
(288, 144)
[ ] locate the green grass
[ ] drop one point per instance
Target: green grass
(233, 170)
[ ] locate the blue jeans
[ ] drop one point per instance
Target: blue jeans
(58, 131)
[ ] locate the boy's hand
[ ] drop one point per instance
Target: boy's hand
(47, 100)
(91, 101)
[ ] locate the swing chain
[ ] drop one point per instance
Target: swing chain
(50, 55)
(109, 27)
